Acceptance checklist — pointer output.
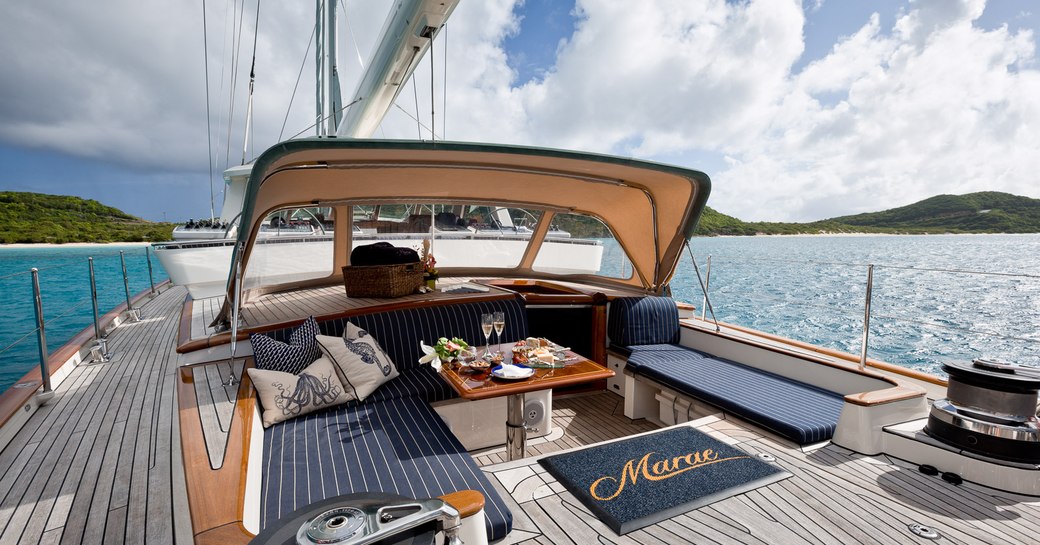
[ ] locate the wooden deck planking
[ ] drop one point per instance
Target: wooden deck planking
(835, 496)
(583, 420)
(216, 406)
(86, 522)
(67, 475)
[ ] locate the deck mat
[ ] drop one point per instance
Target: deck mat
(636, 482)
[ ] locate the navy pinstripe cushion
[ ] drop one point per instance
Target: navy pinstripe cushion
(422, 383)
(397, 446)
(643, 320)
(791, 409)
(271, 354)
(400, 331)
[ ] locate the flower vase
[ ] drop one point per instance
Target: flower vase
(431, 283)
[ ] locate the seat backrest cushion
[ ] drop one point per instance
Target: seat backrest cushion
(643, 320)
(399, 331)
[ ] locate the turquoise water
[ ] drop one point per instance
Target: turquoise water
(813, 289)
(65, 292)
(806, 288)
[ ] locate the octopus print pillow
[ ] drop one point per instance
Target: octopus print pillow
(285, 395)
(362, 364)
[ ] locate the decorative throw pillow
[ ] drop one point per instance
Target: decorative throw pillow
(362, 364)
(301, 351)
(284, 395)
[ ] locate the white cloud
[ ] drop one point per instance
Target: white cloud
(123, 80)
(891, 114)
(948, 110)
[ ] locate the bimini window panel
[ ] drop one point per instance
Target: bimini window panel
(466, 238)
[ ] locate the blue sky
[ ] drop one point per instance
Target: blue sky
(111, 106)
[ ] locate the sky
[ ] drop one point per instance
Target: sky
(798, 111)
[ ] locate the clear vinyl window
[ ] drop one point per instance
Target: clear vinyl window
(462, 235)
(294, 244)
(580, 244)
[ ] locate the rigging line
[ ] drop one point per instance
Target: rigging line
(324, 119)
(12, 275)
(416, 119)
(433, 95)
(353, 38)
(223, 73)
(794, 261)
(22, 338)
(248, 131)
(958, 271)
(299, 75)
(415, 95)
(954, 328)
(851, 264)
(444, 85)
(686, 242)
(235, 55)
(209, 135)
(802, 303)
(67, 312)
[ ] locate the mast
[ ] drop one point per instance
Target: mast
(328, 100)
(407, 33)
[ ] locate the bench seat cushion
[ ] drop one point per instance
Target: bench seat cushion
(397, 446)
(421, 382)
(791, 409)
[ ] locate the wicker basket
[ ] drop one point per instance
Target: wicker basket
(382, 280)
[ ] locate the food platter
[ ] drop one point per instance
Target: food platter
(539, 352)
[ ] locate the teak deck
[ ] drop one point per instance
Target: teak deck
(835, 497)
(101, 463)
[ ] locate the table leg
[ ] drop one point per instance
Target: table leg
(516, 431)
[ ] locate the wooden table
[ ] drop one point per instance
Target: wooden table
(471, 385)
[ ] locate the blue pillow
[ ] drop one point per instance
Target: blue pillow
(301, 351)
(643, 320)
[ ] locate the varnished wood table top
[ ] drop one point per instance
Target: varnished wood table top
(471, 385)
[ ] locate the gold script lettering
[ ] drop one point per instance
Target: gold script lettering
(657, 471)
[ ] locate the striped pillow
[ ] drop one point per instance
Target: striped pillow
(637, 321)
(301, 351)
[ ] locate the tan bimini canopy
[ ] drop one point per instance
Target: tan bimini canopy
(650, 208)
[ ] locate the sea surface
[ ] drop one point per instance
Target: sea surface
(935, 298)
(65, 292)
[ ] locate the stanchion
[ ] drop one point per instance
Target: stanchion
(41, 338)
(99, 353)
(151, 278)
(131, 313)
(866, 318)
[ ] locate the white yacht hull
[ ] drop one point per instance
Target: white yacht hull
(202, 267)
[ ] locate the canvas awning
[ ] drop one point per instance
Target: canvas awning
(650, 208)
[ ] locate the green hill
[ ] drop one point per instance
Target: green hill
(983, 212)
(35, 217)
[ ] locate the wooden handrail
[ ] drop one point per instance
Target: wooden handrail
(887, 367)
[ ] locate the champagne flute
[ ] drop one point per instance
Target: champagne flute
(486, 325)
(499, 321)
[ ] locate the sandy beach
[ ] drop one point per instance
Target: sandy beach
(74, 245)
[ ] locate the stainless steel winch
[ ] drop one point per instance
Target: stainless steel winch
(990, 409)
(366, 518)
